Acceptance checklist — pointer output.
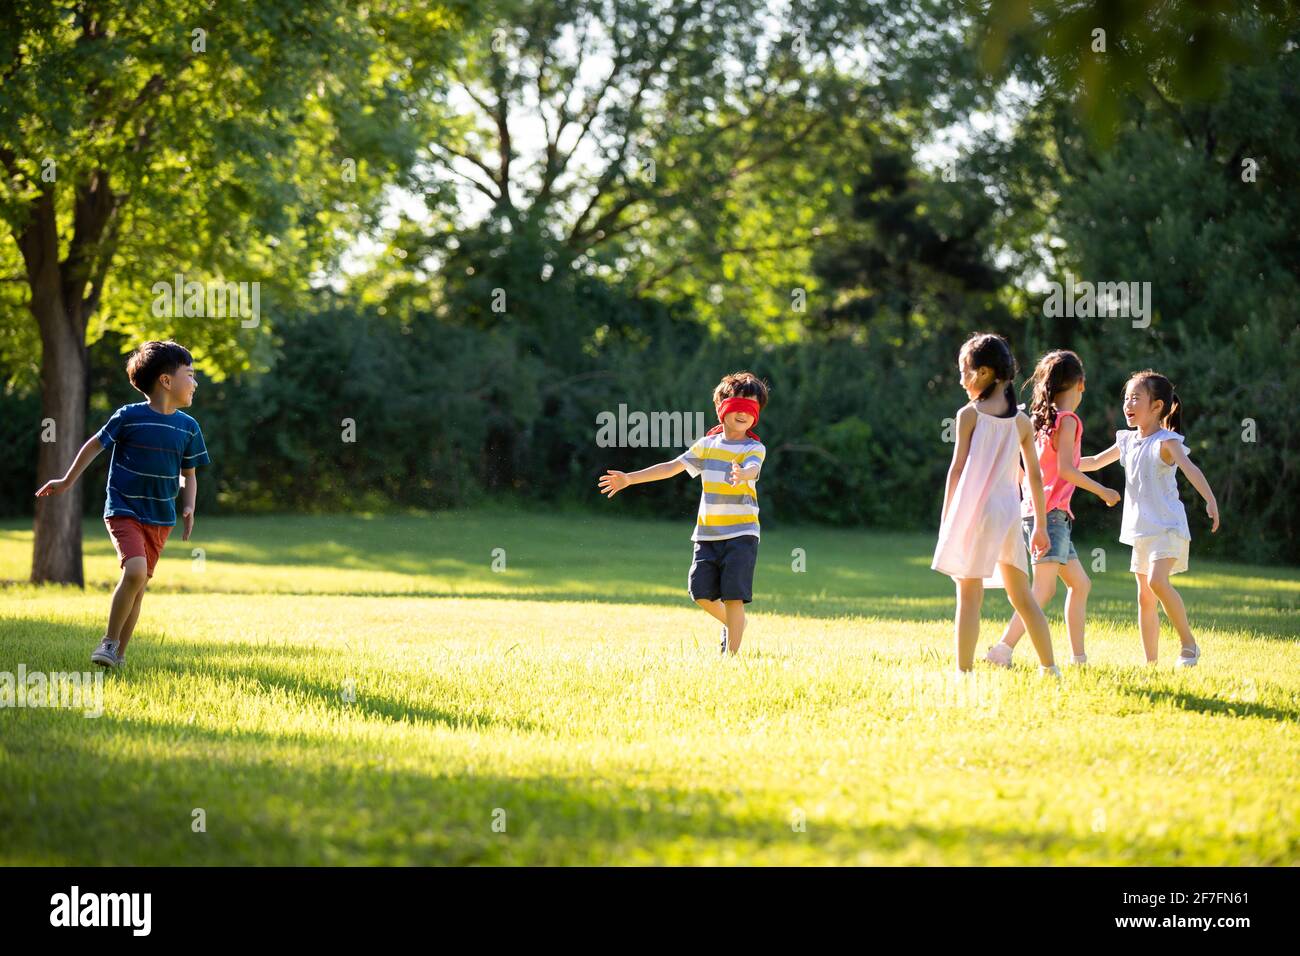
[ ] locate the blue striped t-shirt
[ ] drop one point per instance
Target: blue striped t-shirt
(726, 510)
(149, 451)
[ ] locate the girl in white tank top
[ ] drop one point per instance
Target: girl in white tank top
(979, 535)
(1155, 523)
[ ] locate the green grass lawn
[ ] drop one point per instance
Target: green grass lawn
(369, 690)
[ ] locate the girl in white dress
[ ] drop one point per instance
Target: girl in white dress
(1155, 522)
(980, 539)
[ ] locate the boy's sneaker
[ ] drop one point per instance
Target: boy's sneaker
(106, 654)
(1052, 671)
(999, 654)
(724, 639)
(1079, 659)
(1189, 657)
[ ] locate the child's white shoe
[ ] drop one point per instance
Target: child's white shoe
(1049, 671)
(999, 654)
(1189, 657)
(1079, 659)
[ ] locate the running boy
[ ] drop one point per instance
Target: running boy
(156, 448)
(730, 458)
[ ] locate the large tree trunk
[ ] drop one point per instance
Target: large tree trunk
(59, 307)
(56, 553)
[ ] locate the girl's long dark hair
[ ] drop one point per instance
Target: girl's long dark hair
(1056, 371)
(1160, 389)
(985, 349)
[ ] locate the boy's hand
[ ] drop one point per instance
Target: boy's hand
(55, 486)
(1039, 542)
(739, 474)
(1110, 496)
(1212, 509)
(187, 515)
(612, 482)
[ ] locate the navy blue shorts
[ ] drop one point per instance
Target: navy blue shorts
(724, 570)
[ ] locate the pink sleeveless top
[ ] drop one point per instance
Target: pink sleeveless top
(1056, 489)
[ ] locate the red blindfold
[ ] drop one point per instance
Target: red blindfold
(746, 405)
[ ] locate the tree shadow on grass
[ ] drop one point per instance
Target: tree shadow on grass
(340, 805)
(277, 667)
(272, 666)
(1185, 700)
(62, 646)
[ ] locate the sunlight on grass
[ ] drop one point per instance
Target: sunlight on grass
(580, 694)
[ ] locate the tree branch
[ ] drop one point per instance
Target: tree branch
(613, 168)
(666, 271)
(469, 158)
(1172, 110)
(468, 178)
(94, 207)
(588, 116)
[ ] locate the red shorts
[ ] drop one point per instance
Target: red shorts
(135, 539)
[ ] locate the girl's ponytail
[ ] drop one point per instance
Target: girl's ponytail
(1056, 371)
(1042, 413)
(1174, 420)
(987, 350)
(1160, 389)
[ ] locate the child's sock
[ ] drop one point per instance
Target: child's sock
(1000, 654)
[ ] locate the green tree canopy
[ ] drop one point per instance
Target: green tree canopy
(239, 141)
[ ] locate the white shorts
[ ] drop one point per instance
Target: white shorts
(1149, 548)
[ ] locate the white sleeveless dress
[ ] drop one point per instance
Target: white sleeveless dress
(983, 522)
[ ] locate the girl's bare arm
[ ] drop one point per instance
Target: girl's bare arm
(1188, 467)
(1075, 476)
(1038, 542)
(1093, 462)
(960, 452)
(1029, 462)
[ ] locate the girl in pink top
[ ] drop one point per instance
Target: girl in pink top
(1058, 437)
(979, 532)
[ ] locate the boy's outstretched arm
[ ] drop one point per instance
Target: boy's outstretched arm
(612, 482)
(1196, 477)
(189, 491)
(88, 453)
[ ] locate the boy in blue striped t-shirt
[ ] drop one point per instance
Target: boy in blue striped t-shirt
(729, 459)
(156, 448)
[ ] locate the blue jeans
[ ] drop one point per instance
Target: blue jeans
(1059, 525)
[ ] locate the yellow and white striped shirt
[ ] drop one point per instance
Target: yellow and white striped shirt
(726, 510)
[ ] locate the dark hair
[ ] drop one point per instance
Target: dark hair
(987, 350)
(741, 385)
(1056, 371)
(1160, 389)
(153, 359)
